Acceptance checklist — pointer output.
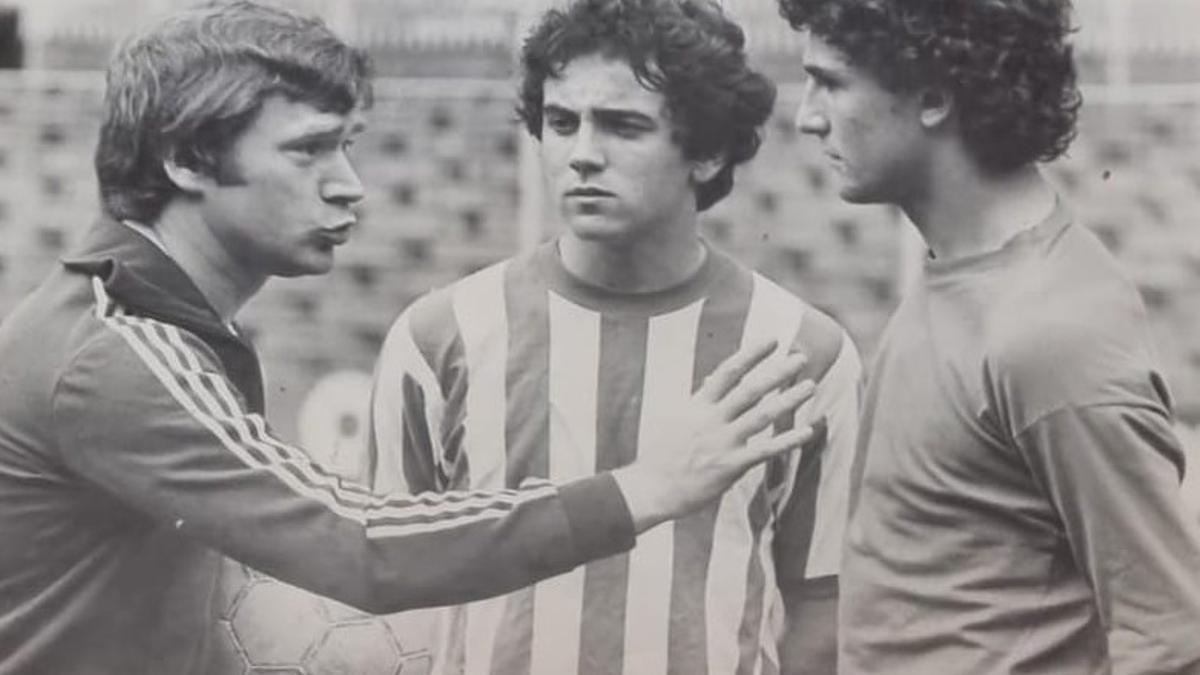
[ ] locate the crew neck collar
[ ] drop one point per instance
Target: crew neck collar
(696, 286)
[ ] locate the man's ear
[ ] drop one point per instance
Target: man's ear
(704, 170)
(936, 106)
(187, 178)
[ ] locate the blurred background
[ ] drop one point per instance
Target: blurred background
(453, 183)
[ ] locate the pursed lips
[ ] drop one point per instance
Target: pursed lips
(337, 234)
(585, 192)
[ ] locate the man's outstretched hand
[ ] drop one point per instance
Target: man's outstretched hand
(719, 436)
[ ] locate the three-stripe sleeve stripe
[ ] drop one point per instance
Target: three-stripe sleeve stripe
(252, 435)
(208, 400)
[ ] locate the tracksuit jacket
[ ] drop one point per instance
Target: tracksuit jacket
(133, 452)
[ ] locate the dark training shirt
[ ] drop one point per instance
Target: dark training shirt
(1017, 488)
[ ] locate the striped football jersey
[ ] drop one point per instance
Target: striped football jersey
(521, 371)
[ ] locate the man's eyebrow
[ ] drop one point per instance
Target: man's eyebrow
(558, 109)
(604, 112)
(327, 133)
(624, 113)
(819, 71)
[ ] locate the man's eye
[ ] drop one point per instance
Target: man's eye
(822, 82)
(315, 148)
(560, 124)
(306, 148)
(627, 129)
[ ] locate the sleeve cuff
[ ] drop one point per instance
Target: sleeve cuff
(600, 521)
(814, 588)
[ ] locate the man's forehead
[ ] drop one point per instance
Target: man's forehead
(291, 117)
(819, 53)
(598, 81)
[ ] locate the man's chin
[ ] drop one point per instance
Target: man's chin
(315, 266)
(854, 194)
(596, 229)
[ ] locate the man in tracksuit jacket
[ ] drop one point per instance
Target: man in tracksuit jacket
(133, 448)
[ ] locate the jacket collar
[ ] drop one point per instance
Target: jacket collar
(142, 277)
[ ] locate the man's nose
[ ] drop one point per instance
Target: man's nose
(810, 119)
(587, 156)
(343, 184)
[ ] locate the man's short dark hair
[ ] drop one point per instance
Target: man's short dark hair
(188, 86)
(1007, 64)
(687, 50)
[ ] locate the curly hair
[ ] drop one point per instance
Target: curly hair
(1006, 63)
(685, 49)
(187, 87)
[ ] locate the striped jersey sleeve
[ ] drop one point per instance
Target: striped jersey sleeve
(418, 427)
(407, 412)
(812, 513)
(146, 412)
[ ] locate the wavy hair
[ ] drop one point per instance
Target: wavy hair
(687, 50)
(1007, 64)
(187, 87)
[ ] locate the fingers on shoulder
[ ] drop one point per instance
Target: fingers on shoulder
(822, 340)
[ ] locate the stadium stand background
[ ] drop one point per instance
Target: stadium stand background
(453, 185)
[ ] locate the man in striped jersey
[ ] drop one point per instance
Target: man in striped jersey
(1017, 502)
(576, 358)
(132, 441)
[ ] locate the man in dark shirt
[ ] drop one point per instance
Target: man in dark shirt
(1017, 505)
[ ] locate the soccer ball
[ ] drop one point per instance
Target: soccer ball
(267, 626)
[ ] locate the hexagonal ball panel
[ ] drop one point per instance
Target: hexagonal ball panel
(337, 612)
(414, 630)
(276, 624)
(233, 581)
(364, 648)
(224, 656)
(417, 665)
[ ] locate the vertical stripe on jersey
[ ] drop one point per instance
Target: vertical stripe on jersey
(755, 610)
(574, 366)
(769, 667)
(667, 390)
(420, 470)
(395, 414)
(622, 364)
(440, 345)
(799, 515)
(527, 439)
(478, 309)
(734, 615)
(454, 459)
(725, 588)
(833, 489)
(527, 371)
(722, 321)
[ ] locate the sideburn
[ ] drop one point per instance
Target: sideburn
(216, 163)
(226, 171)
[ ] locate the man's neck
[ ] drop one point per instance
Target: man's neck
(967, 211)
(203, 257)
(642, 266)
